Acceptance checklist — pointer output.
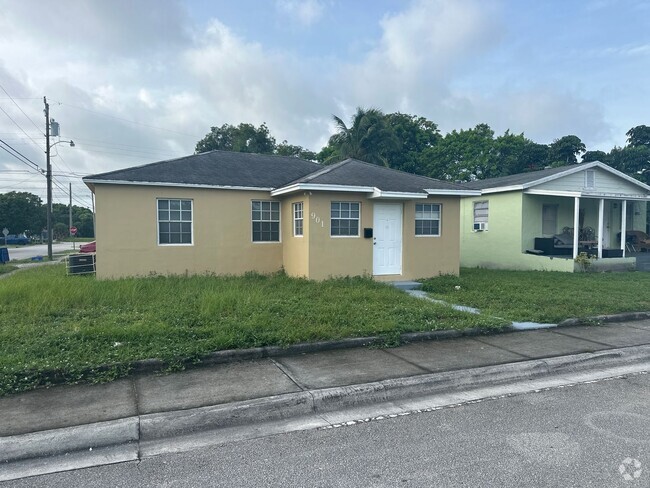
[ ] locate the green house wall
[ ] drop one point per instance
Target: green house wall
(514, 220)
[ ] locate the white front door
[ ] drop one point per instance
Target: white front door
(387, 239)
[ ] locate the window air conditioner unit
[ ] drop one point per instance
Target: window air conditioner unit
(479, 226)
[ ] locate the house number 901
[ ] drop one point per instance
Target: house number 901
(317, 219)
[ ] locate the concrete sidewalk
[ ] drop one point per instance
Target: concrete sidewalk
(238, 391)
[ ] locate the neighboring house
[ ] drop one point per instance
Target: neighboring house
(528, 220)
(230, 213)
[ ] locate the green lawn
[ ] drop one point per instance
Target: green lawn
(6, 268)
(58, 327)
(544, 296)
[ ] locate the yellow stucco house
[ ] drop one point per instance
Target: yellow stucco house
(229, 213)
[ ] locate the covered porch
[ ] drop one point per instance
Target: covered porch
(560, 225)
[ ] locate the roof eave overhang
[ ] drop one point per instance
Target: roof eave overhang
(319, 187)
(587, 194)
(173, 185)
(449, 192)
(396, 195)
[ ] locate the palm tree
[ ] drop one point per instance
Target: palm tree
(367, 139)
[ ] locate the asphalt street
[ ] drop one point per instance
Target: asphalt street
(594, 434)
(27, 252)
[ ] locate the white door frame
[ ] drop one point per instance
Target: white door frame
(387, 249)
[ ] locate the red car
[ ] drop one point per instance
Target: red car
(88, 247)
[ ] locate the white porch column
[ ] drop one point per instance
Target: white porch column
(576, 225)
(601, 226)
(623, 225)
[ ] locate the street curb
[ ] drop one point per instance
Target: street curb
(116, 435)
(155, 365)
(603, 319)
(131, 436)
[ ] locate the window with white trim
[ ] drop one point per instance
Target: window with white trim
(265, 216)
(590, 179)
(481, 215)
(297, 218)
(427, 219)
(174, 221)
(344, 219)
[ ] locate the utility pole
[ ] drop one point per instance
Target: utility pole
(70, 215)
(48, 175)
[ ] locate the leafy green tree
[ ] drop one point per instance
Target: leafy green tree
(514, 153)
(633, 161)
(566, 150)
(286, 149)
(415, 134)
(22, 211)
(638, 136)
(463, 155)
(242, 138)
(369, 138)
(82, 219)
(590, 156)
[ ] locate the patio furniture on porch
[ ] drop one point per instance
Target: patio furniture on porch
(558, 245)
(635, 240)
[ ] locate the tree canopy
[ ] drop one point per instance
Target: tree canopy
(23, 212)
(414, 144)
(369, 138)
(250, 139)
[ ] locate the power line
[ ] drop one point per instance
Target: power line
(17, 125)
(25, 160)
(128, 120)
(23, 112)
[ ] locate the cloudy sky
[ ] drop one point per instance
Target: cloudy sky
(136, 81)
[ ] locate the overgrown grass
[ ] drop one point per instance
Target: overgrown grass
(6, 268)
(544, 296)
(63, 328)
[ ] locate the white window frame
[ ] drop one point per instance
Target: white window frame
(426, 215)
(590, 179)
(348, 218)
(477, 219)
(298, 218)
(262, 219)
(170, 221)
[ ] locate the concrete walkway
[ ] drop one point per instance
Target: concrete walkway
(233, 389)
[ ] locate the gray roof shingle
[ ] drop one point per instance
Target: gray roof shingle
(358, 173)
(236, 169)
(515, 180)
(216, 168)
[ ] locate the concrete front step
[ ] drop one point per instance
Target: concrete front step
(406, 285)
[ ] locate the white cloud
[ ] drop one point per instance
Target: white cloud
(243, 82)
(420, 51)
(305, 12)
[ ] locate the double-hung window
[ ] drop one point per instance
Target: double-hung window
(297, 218)
(427, 219)
(344, 219)
(174, 221)
(265, 216)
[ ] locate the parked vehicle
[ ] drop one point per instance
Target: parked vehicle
(88, 247)
(13, 239)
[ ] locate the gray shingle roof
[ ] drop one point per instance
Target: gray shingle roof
(514, 180)
(216, 168)
(224, 168)
(358, 173)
